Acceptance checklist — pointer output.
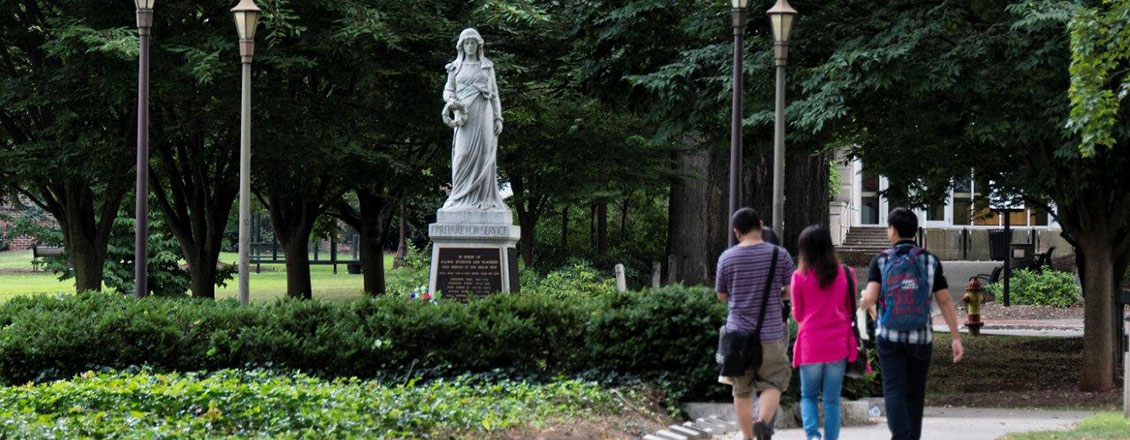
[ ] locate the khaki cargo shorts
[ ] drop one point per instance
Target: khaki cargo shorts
(774, 373)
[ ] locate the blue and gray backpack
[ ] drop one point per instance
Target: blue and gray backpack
(905, 299)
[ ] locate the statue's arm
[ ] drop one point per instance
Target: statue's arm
(495, 101)
(449, 86)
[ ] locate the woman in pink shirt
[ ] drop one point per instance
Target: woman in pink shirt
(824, 341)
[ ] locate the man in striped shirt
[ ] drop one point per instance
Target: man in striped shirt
(904, 356)
(743, 272)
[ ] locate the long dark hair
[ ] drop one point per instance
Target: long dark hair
(818, 253)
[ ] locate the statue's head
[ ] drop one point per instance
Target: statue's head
(469, 42)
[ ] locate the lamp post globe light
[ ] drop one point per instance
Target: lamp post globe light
(246, 19)
(738, 9)
(781, 17)
(141, 232)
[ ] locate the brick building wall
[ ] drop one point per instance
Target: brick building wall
(9, 213)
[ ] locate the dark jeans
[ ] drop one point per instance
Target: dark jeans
(904, 369)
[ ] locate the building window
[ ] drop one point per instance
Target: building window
(936, 213)
(869, 193)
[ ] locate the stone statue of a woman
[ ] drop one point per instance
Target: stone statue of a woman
(475, 112)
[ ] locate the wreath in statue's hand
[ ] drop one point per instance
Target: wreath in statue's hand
(454, 114)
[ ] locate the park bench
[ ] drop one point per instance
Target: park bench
(38, 252)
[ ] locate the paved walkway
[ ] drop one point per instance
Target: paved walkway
(1052, 328)
(959, 423)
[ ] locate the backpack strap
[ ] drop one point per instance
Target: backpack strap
(768, 287)
(851, 299)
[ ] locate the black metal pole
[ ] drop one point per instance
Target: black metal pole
(141, 215)
(736, 121)
(1007, 252)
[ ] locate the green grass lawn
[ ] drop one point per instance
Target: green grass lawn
(17, 279)
(1013, 372)
(1102, 426)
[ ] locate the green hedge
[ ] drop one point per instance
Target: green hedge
(259, 404)
(665, 336)
(1044, 288)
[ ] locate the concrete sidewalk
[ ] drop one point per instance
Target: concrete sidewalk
(959, 423)
(1054, 328)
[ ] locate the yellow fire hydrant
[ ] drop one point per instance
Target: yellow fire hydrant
(974, 296)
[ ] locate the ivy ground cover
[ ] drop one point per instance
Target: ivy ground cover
(241, 404)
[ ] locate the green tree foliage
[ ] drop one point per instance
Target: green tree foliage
(166, 276)
(1100, 59)
(67, 117)
(926, 92)
(194, 131)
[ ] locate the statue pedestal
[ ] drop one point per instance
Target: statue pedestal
(474, 254)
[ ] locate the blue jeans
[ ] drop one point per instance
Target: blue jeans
(904, 368)
(817, 379)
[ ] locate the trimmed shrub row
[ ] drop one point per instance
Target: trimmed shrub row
(665, 336)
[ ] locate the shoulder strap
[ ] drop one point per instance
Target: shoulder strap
(768, 287)
(851, 294)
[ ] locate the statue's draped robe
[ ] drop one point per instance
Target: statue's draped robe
(474, 177)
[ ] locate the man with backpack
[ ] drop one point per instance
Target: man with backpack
(902, 281)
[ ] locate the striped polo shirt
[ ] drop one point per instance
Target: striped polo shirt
(742, 271)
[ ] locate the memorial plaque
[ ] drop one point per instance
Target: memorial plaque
(465, 272)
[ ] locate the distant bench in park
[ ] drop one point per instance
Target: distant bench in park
(39, 252)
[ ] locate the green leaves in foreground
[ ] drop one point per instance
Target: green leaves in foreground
(257, 404)
(1100, 55)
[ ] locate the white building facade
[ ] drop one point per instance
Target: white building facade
(961, 224)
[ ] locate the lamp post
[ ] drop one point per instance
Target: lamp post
(141, 234)
(246, 19)
(781, 16)
(738, 9)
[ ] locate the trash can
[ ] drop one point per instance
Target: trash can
(353, 268)
(998, 245)
(1022, 254)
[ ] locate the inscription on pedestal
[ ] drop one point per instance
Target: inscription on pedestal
(469, 230)
(465, 272)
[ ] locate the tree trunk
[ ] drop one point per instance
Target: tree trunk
(204, 278)
(565, 228)
(601, 227)
(372, 260)
(195, 185)
(592, 226)
(402, 240)
(529, 208)
(297, 268)
(806, 194)
(806, 191)
(372, 228)
(697, 213)
(86, 227)
(1097, 373)
(528, 221)
(624, 217)
(86, 260)
(293, 219)
(370, 220)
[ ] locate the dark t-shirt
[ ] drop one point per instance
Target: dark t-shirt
(875, 274)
